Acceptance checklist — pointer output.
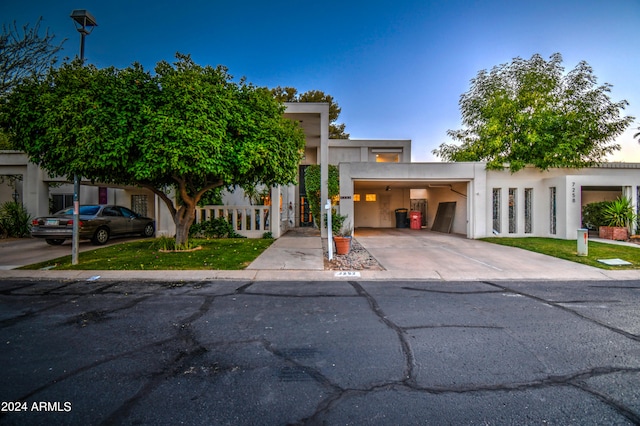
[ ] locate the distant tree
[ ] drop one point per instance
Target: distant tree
(637, 135)
(529, 112)
(188, 129)
(25, 53)
(290, 94)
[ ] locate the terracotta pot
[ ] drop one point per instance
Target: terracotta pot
(343, 244)
(613, 233)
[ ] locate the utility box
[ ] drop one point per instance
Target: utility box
(415, 220)
(583, 242)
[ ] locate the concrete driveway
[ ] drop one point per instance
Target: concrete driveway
(413, 254)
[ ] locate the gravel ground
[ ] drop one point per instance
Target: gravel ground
(356, 260)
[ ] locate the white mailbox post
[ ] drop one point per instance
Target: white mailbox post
(329, 234)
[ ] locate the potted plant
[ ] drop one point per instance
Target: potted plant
(618, 214)
(341, 236)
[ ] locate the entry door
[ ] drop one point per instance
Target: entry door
(305, 212)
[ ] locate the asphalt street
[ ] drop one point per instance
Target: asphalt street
(331, 352)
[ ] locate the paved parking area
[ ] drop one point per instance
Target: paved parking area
(319, 352)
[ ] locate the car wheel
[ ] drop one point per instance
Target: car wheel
(100, 237)
(54, 241)
(149, 230)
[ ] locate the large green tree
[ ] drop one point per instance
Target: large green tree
(290, 94)
(186, 129)
(530, 112)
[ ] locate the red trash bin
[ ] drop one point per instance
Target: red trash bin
(415, 219)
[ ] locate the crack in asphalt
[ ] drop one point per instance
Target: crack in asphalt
(410, 362)
(409, 381)
(560, 305)
(191, 349)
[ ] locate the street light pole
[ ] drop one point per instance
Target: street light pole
(85, 23)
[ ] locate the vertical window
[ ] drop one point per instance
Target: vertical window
(496, 210)
(513, 210)
(552, 210)
(139, 204)
(528, 210)
(637, 224)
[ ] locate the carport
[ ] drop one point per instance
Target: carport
(370, 194)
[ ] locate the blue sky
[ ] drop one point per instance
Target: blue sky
(396, 68)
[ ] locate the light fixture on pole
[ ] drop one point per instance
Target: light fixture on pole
(85, 23)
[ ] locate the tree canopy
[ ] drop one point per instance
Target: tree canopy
(290, 94)
(530, 112)
(186, 128)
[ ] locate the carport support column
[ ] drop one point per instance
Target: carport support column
(324, 166)
(274, 221)
(35, 191)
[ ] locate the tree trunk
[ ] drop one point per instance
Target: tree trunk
(183, 219)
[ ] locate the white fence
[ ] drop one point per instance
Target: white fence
(250, 221)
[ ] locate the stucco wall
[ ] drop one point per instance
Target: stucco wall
(569, 196)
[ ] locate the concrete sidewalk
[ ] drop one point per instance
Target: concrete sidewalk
(405, 255)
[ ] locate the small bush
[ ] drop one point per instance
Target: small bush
(213, 228)
(163, 243)
(593, 215)
(15, 221)
(267, 236)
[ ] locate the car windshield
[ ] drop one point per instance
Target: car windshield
(84, 210)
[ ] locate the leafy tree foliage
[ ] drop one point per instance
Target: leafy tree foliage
(312, 183)
(24, 53)
(290, 94)
(187, 129)
(529, 112)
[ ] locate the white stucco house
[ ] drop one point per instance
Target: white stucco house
(377, 178)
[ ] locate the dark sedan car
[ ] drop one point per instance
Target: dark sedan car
(97, 223)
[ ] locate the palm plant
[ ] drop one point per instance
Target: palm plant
(620, 212)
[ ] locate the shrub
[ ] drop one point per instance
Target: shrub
(213, 228)
(593, 215)
(15, 221)
(312, 186)
(619, 212)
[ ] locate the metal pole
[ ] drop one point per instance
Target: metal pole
(75, 239)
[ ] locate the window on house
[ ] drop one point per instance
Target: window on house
(387, 158)
(496, 210)
(60, 202)
(528, 210)
(356, 197)
(513, 210)
(139, 204)
(370, 197)
(637, 224)
(552, 211)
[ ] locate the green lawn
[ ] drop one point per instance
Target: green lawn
(217, 254)
(567, 249)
